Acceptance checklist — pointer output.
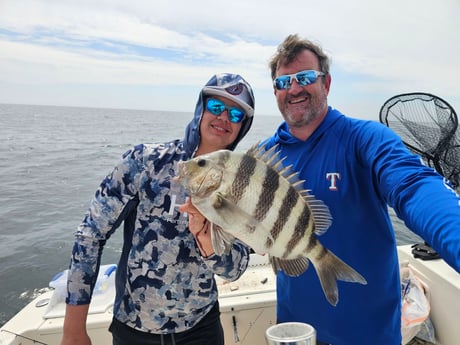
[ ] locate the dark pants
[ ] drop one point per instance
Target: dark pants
(208, 331)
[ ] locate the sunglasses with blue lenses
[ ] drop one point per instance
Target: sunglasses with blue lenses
(216, 107)
(303, 78)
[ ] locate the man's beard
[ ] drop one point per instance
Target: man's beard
(313, 110)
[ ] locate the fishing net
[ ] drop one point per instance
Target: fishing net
(428, 127)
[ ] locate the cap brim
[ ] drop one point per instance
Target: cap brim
(211, 91)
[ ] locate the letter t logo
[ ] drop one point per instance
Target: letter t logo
(334, 178)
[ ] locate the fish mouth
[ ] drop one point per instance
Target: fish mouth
(181, 172)
(182, 176)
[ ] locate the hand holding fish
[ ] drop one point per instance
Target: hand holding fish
(199, 227)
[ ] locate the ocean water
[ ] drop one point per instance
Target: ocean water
(52, 159)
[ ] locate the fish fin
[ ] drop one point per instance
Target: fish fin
(257, 149)
(231, 213)
(320, 213)
(330, 269)
(221, 241)
(292, 267)
(271, 157)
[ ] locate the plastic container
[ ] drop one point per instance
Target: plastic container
(291, 333)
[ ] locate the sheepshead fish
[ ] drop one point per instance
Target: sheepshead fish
(253, 197)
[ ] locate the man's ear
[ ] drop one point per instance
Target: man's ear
(327, 82)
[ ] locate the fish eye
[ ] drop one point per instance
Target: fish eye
(201, 162)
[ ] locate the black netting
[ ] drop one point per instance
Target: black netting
(428, 126)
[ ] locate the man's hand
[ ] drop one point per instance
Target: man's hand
(199, 226)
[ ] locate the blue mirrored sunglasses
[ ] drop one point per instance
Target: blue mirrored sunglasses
(216, 107)
(303, 78)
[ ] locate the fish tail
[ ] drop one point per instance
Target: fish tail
(330, 269)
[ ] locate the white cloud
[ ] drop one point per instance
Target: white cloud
(378, 49)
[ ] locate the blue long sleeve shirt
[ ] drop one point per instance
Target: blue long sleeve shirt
(358, 168)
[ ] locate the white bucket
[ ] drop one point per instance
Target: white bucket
(291, 333)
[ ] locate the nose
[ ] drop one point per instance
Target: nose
(295, 87)
(226, 117)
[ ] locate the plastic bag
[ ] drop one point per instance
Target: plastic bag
(415, 305)
(426, 332)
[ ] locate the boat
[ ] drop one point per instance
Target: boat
(248, 305)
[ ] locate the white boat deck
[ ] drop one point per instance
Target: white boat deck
(248, 307)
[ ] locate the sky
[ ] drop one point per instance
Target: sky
(157, 54)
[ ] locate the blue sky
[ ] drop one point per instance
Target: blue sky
(157, 54)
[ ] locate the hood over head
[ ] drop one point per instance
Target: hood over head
(228, 85)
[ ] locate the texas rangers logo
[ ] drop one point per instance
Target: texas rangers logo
(334, 178)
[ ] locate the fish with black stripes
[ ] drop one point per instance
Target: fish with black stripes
(253, 197)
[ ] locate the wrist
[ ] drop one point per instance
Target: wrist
(203, 240)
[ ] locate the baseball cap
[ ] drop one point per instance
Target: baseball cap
(233, 87)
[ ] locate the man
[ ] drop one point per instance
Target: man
(165, 287)
(356, 168)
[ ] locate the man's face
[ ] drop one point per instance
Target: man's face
(217, 132)
(301, 105)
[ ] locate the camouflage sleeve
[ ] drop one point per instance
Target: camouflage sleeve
(106, 211)
(231, 266)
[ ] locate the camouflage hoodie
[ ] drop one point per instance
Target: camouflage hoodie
(163, 284)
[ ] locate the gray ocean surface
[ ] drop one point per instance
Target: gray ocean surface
(52, 160)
